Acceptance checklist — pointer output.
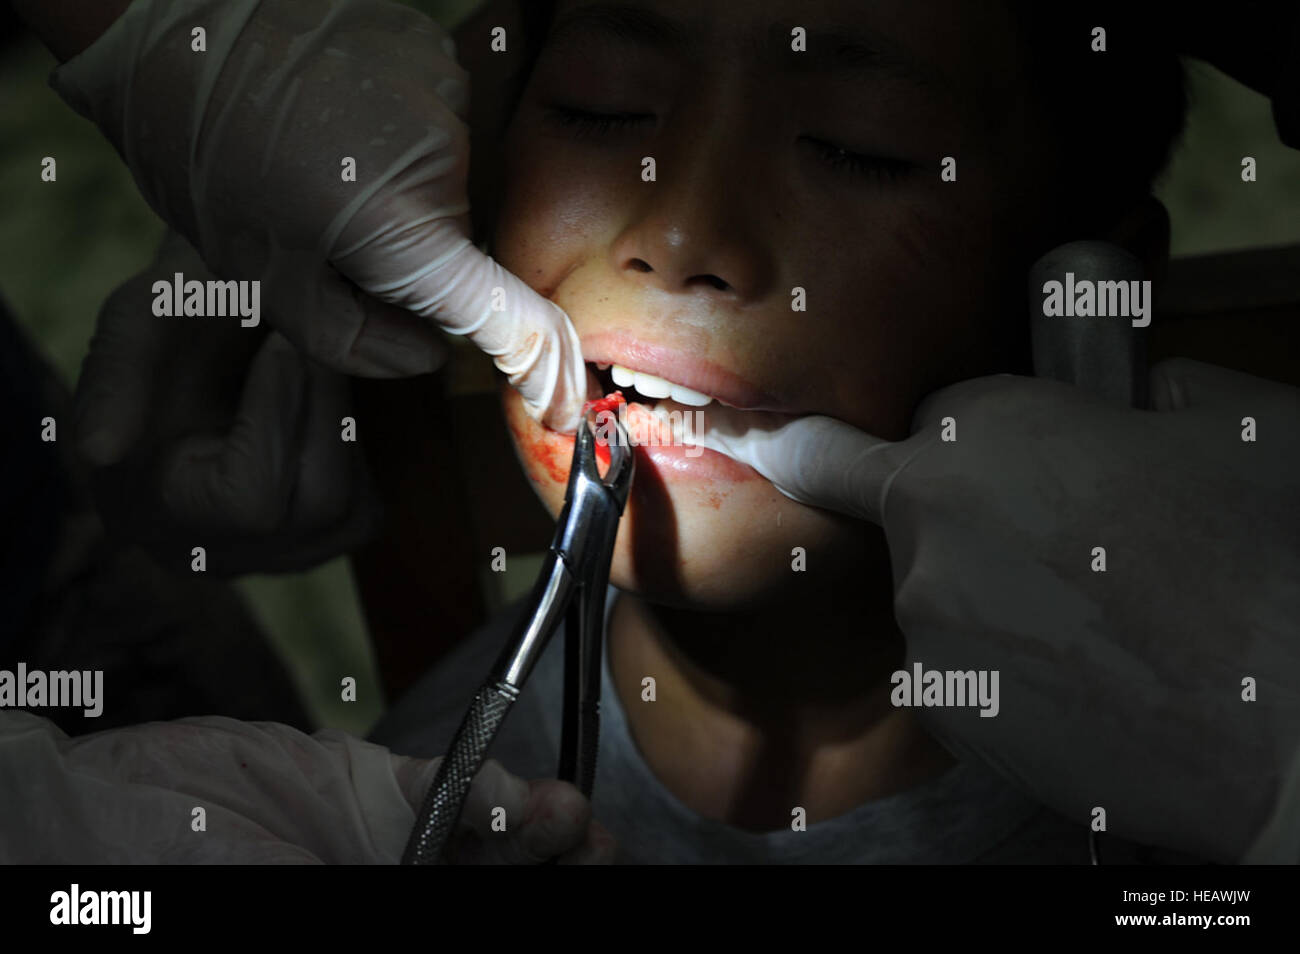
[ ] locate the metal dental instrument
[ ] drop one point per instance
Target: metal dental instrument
(1104, 356)
(571, 583)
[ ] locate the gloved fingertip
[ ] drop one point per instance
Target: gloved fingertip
(494, 788)
(563, 419)
(556, 820)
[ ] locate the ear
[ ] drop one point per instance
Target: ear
(1143, 230)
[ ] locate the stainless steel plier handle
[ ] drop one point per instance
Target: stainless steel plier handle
(570, 587)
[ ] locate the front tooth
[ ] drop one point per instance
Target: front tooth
(684, 395)
(651, 386)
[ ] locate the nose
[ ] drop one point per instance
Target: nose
(698, 228)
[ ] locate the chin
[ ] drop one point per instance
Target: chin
(700, 533)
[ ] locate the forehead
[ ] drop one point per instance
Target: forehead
(954, 49)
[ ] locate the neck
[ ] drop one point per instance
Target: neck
(759, 712)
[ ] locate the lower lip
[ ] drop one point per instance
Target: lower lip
(671, 462)
(678, 462)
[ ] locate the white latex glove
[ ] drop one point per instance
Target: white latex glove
(270, 794)
(206, 433)
(1120, 689)
(241, 149)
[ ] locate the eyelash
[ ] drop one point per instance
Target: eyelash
(598, 124)
(858, 164)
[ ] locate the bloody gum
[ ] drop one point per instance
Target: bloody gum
(608, 403)
(554, 450)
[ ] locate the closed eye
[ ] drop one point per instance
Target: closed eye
(585, 121)
(856, 163)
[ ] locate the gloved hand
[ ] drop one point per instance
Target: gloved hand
(243, 150)
(270, 795)
(207, 434)
(1120, 689)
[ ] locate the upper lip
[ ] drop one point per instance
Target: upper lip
(675, 365)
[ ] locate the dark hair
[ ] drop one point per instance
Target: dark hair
(1114, 116)
(1130, 101)
(537, 16)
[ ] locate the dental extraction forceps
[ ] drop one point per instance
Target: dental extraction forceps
(571, 584)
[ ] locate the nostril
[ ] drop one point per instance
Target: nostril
(715, 281)
(641, 265)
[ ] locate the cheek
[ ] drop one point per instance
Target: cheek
(751, 551)
(913, 312)
(545, 222)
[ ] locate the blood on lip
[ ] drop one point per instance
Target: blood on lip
(551, 449)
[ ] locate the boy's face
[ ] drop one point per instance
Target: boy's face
(774, 170)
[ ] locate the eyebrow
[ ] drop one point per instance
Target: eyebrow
(851, 52)
(634, 24)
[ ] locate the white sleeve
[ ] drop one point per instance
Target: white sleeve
(269, 794)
